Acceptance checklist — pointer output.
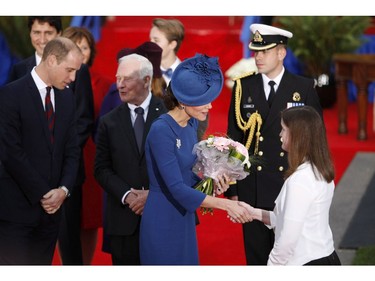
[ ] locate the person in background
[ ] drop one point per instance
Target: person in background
(168, 34)
(112, 99)
(152, 52)
(92, 197)
(254, 120)
(42, 30)
(301, 214)
(120, 164)
(168, 234)
(39, 155)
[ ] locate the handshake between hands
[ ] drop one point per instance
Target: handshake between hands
(242, 212)
(237, 211)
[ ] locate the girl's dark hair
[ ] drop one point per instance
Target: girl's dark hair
(308, 142)
(169, 99)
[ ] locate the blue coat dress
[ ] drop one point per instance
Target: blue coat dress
(167, 233)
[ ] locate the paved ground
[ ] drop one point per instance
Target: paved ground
(348, 195)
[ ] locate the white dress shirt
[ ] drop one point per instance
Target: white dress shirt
(42, 88)
(277, 81)
(38, 59)
(145, 105)
(301, 219)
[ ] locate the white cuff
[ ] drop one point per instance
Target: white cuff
(67, 193)
(124, 197)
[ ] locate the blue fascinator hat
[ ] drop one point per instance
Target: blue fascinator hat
(197, 81)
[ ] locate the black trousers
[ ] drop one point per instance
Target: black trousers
(332, 259)
(258, 240)
(69, 240)
(125, 249)
(28, 244)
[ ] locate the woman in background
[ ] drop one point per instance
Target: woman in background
(91, 191)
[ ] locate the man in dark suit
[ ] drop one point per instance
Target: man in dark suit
(254, 120)
(39, 155)
(42, 30)
(120, 164)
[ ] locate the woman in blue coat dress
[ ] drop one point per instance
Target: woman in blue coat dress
(167, 233)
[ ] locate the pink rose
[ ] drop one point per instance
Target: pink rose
(222, 143)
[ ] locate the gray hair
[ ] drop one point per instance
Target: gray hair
(145, 68)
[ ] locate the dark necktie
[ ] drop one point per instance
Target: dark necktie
(272, 94)
(168, 72)
(50, 115)
(139, 125)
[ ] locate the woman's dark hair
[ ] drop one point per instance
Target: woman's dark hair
(169, 99)
(307, 141)
(158, 86)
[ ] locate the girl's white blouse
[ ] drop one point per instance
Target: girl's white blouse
(301, 219)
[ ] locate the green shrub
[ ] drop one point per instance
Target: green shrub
(317, 38)
(365, 256)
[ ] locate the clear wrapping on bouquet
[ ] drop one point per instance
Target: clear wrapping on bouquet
(217, 156)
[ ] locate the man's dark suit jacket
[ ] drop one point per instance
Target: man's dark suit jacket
(69, 237)
(30, 164)
(82, 90)
(119, 166)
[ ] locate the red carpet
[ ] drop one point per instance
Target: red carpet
(220, 241)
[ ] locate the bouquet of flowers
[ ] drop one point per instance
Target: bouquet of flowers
(217, 156)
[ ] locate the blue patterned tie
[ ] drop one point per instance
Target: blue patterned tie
(168, 72)
(139, 125)
(50, 115)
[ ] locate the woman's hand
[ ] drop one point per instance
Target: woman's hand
(221, 185)
(238, 212)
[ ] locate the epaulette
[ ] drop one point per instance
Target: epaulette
(244, 75)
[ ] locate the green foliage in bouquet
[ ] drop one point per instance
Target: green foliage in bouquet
(206, 186)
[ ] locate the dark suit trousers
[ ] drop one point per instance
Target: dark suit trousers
(259, 241)
(70, 247)
(28, 244)
(125, 249)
